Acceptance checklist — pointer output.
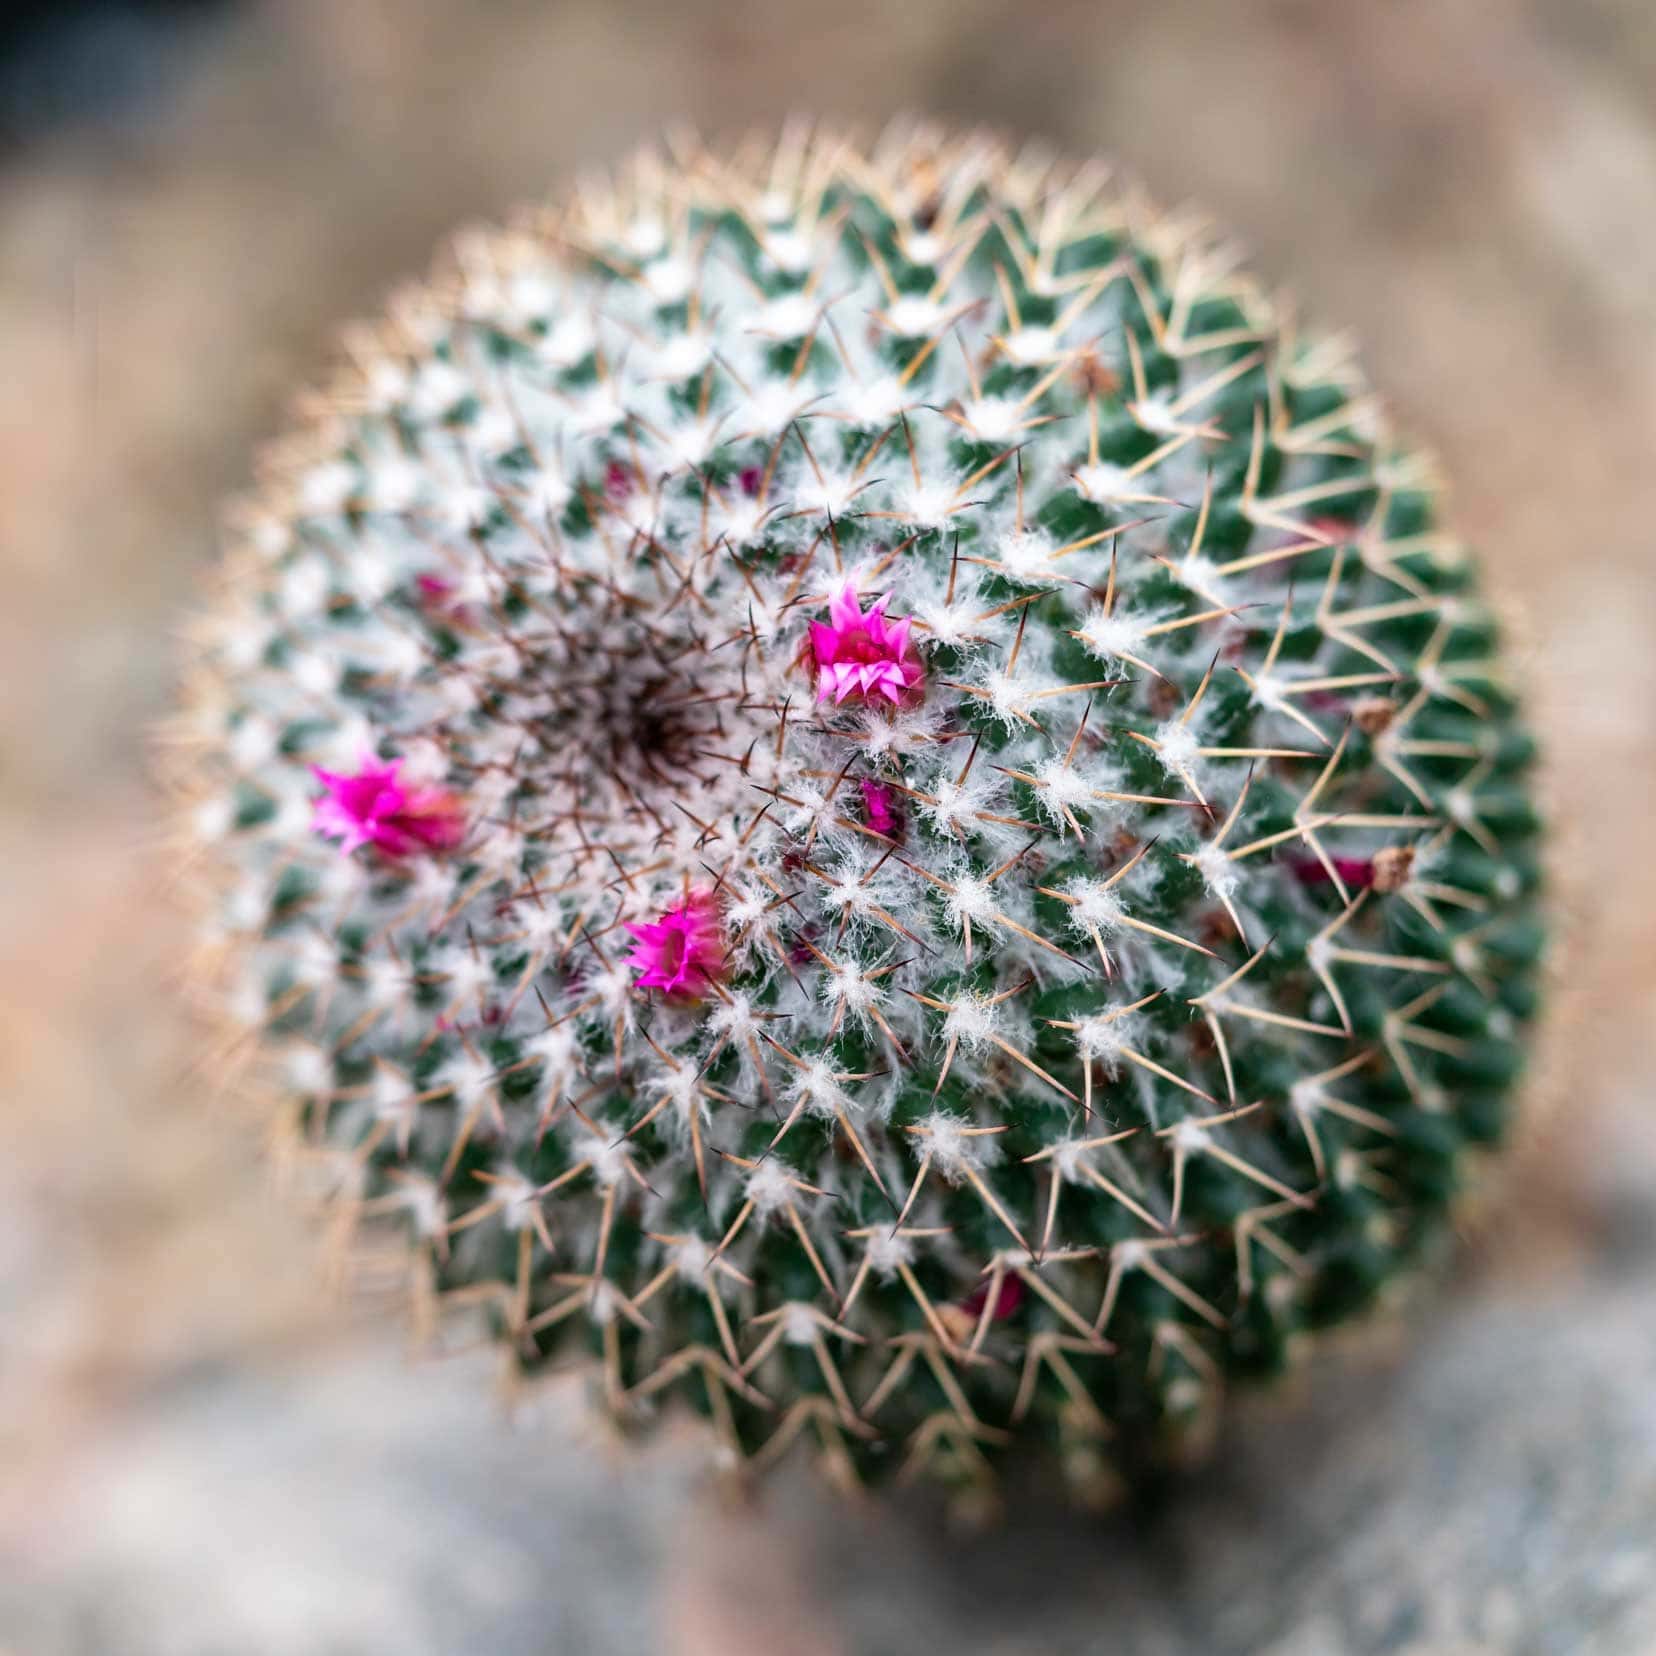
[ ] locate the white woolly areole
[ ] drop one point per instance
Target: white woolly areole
(431, 887)
(1094, 906)
(993, 420)
(952, 807)
(895, 734)
(309, 1069)
(1178, 747)
(1030, 346)
(245, 908)
(386, 982)
(971, 898)
(326, 488)
(927, 506)
(1104, 482)
(888, 1250)
(1270, 691)
(569, 341)
(423, 1202)
(1156, 414)
(469, 1079)
(341, 886)
(613, 986)
(953, 1151)
(1069, 1158)
(316, 674)
(1112, 636)
(747, 908)
(213, 818)
(464, 975)
(734, 1018)
(924, 247)
(1061, 785)
(253, 742)
(1220, 875)
(1102, 1039)
(560, 1054)
(1202, 576)
(788, 250)
(847, 891)
(606, 1158)
(788, 316)
(401, 657)
(1008, 694)
(817, 1087)
(799, 1324)
(681, 1087)
(692, 1258)
(315, 960)
(517, 1197)
(953, 623)
(390, 1094)
(1305, 1098)
(847, 982)
(973, 1022)
(914, 316)
(1191, 1137)
(878, 402)
(1025, 557)
(601, 1303)
(769, 1187)
(540, 927)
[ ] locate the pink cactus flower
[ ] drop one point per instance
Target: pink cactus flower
(862, 654)
(682, 952)
(1325, 701)
(880, 810)
(437, 597)
(1356, 872)
(375, 808)
(1007, 1300)
(800, 950)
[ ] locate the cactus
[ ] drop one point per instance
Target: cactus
(857, 787)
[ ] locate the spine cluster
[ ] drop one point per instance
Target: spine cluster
(859, 788)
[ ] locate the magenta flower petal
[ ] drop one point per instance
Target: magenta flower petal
(880, 808)
(1008, 1298)
(861, 653)
(683, 951)
(373, 807)
(1356, 872)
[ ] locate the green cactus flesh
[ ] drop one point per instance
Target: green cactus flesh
(1096, 983)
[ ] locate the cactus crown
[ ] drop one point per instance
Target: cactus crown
(860, 787)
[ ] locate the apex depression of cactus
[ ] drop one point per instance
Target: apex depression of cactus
(857, 787)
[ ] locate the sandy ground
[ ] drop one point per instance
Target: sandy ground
(199, 1457)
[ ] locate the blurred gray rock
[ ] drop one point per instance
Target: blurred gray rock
(1497, 1494)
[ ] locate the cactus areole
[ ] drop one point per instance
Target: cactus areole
(856, 787)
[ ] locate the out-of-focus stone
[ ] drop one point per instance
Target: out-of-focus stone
(1496, 1494)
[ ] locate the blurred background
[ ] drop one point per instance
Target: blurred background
(198, 1456)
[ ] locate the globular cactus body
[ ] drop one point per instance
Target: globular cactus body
(858, 786)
